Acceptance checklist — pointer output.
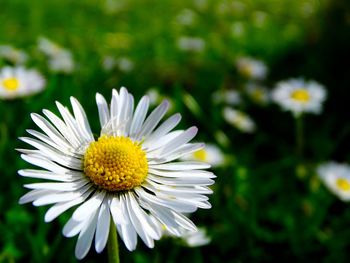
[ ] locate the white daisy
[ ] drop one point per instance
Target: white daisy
(13, 55)
(251, 68)
(239, 119)
(210, 154)
(230, 97)
(127, 175)
(196, 238)
(19, 82)
(257, 93)
(60, 60)
(299, 96)
(336, 178)
(191, 44)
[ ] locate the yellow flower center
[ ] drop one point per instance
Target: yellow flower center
(343, 184)
(10, 84)
(200, 155)
(300, 95)
(115, 163)
(247, 70)
(258, 95)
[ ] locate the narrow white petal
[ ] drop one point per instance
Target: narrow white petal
(102, 229)
(190, 174)
(85, 237)
(103, 110)
(33, 195)
(41, 174)
(116, 210)
(81, 119)
(180, 181)
(89, 206)
(181, 166)
(59, 208)
(153, 119)
(58, 186)
(128, 235)
(72, 227)
(139, 116)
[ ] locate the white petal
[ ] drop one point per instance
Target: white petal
(180, 181)
(139, 116)
(81, 119)
(116, 210)
(89, 206)
(85, 237)
(40, 174)
(103, 110)
(102, 229)
(190, 174)
(33, 195)
(181, 166)
(59, 208)
(153, 119)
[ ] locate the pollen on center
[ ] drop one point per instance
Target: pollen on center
(115, 163)
(301, 95)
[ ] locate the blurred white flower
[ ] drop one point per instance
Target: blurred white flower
(210, 154)
(124, 64)
(60, 60)
(230, 97)
(336, 178)
(13, 55)
(186, 17)
(299, 96)
(193, 44)
(251, 68)
(19, 82)
(239, 119)
(237, 29)
(257, 93)
(196, 238)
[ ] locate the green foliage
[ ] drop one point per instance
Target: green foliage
(268, 203)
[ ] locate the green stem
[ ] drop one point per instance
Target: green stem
(113, 248)
(299, 135)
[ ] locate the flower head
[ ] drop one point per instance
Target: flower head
(258, 94)
(19, 82)
(299, 96)
(210, 154)
(191, 44)
(196, 238)
(230, 97)
(128, 175)
(336, 178)
(251, 68)
(239, 119)
(60, 60)
(13, 55)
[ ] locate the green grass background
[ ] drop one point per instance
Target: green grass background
(266, 205)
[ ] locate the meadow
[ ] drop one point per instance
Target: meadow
(268, 203)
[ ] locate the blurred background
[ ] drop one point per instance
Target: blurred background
(268, 203)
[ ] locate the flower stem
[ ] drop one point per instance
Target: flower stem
(113, 248)
(299, 135)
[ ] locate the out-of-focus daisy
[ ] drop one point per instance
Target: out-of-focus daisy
(13, 55)
(239, 119)
(336, 178)
(251, 68)
(299, 96)
(19, 82)
(191, 44)
(124, 64)
(257, 93)
(210, 154)
(128, 175)
(196, 238)
(230, 97)
(60, 60)
(186, 17)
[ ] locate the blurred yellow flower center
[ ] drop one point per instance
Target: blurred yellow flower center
(301, 95)
(247, 70)
(10, 84)
(258, 95)
(115, 163)
(343, 184)
(201, 155)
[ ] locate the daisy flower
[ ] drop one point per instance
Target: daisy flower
(258, 93)
(19, 82)
(13, 55)
(230, 97)
(239, 119)
(251, 68)
(60, 60)
(299, 96)
(196, 238)
(191, 44)
(336, 178)
(210, 154)
(127, 176)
